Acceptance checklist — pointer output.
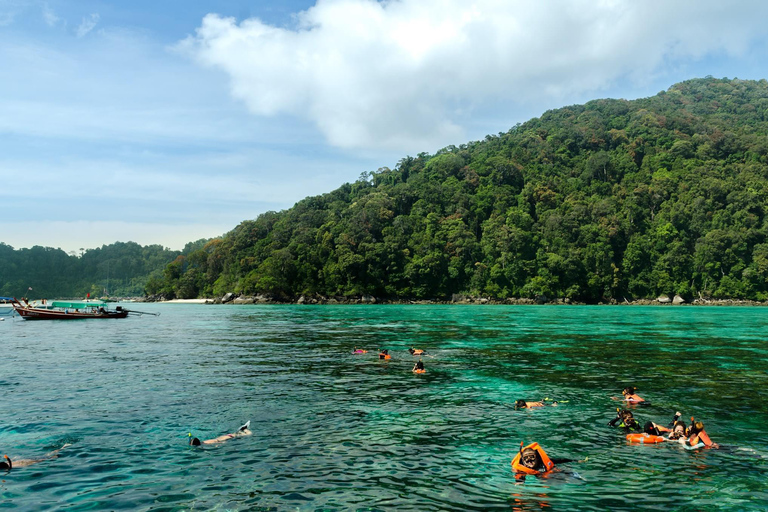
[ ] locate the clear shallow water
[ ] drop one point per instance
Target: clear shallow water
(333, 431)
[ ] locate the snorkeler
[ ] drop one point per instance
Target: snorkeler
(242, 431)
(656, 430)
(630, 395)
(679, 431)
(417, 351)
(697, 437)
(359, 351)
(626, 421)
(533, 460)
(419, 367)
(9, 464)
(523, 404)
(384, 354)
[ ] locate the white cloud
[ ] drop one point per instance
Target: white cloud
(87, 25)
(49, 16)
(408, 74)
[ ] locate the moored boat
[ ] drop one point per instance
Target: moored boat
(67, 310)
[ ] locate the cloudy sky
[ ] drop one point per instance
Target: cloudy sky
(169, 121)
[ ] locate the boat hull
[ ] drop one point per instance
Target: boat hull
(51, 314)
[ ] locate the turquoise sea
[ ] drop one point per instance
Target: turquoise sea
(336, 431)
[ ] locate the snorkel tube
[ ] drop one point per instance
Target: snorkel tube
(7, 465)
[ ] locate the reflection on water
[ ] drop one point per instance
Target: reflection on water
(337, 431)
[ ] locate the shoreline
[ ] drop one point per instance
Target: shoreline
(232, 299)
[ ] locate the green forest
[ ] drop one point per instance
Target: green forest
(610, 200)
(606, 201)
(118, 270)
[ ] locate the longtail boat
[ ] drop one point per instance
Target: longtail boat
(70, 310)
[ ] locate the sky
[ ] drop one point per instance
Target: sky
(167, 122)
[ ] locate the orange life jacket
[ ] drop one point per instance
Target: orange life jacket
(519, 467)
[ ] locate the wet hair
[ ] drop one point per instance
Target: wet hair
(629, 390)
(6, 464)
(194, 442)
(625, 414)
(520, 404)
(676, 434)
(699, 426)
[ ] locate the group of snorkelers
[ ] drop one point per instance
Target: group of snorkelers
(533, 460)
(384, 354)
(690, 436)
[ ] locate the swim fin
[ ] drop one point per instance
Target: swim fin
(245, 427)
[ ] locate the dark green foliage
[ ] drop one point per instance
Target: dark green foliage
(120, 269)
(593, 202)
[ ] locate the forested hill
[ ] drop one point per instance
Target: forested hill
(120, 269)
(609, 200)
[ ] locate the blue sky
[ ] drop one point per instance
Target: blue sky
(166, 122)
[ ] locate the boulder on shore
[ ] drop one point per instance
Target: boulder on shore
(664, 299)
(678, 300)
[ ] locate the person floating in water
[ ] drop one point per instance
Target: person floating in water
(697, 437)
(419, 367)
(631, 396)
(533, 460)
(359, 351)
(8, 464)
(242, 431)
(679, 431)
(523, 404)
(657, 430)
(384, 354)
(417, 351)
(626, 421)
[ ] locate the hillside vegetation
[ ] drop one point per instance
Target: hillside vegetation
(613, 199)
(119, 269)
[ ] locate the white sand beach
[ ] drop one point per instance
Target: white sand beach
(184, 301)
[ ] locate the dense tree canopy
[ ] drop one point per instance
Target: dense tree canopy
(120, 269)
(609, 200)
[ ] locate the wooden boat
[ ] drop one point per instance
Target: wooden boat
(67, 310)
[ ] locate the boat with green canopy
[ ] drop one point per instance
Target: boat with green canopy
(70, 310)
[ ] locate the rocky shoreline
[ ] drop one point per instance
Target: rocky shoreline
(457, 299)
